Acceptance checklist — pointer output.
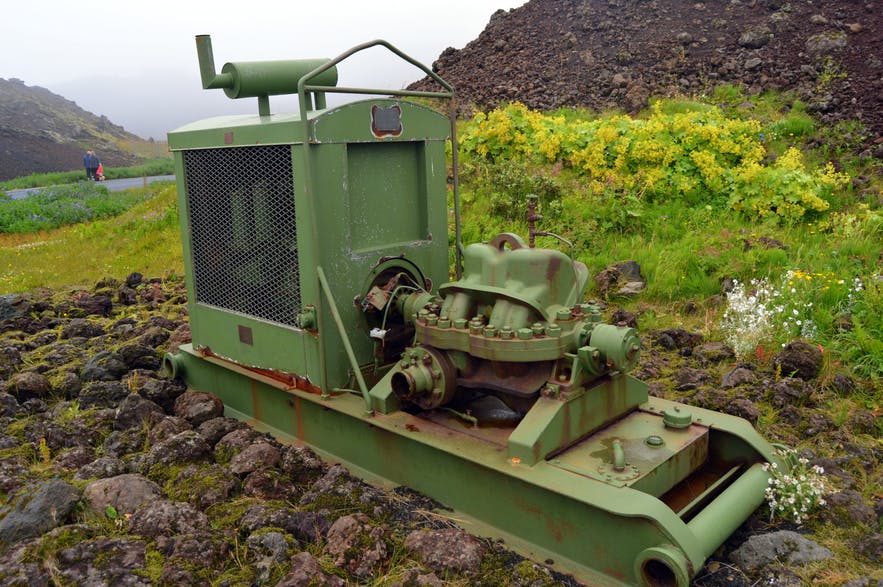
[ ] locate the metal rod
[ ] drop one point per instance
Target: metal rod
(376, 91)
(346, 342)
(458, 241)
(716, 522)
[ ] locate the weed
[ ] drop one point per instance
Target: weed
(795, 492)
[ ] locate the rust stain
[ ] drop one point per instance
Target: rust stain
(255, 400)
(291, 380)
(298, 421)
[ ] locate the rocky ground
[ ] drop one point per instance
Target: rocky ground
(113, 475)
(616, 53)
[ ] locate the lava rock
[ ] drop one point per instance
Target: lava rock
(103, 561)
(714, 352)
(28, 385)
(136, 411)
(306, 572)
(356, 544)
(105, 366)
(445, 550)
(103, 394)
(126, 493)
(81, 328)
(47, 507)
(185, 447)
(168, 518)
(737, 377)
(847, 507)
(198, 407)
(253, 457)
(799, 359)
(101, 468)
(764, 549)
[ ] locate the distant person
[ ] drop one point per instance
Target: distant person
(99, 173)
(91, 163)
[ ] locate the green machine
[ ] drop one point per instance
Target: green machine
(322, 310)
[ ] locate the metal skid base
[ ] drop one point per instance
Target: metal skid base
(604, 533)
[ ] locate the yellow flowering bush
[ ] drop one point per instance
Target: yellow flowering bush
(695, 157)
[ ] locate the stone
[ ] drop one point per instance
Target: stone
(205, 484)
(81, 328)
(126, 493)
(168, 518)
(99, 305)
(825, 43)
(28, 385)
(49, 505)
(790, 391)
(689, 378)
(14, 306)
(139, 356)
(714, 352)
(446, 550)
(305, 526)
(136, 411)
(781, 546)
(102, 394)
(167, 427)
(103, 561)
(743, 408)
(256, 456)
(846, 508)
(737, 377)
(871, 547)
(105, 366)
(182, 448)
(755, 38)
(799, 359)
(215, 429)
(101, 468)
(197, 407)
(356, 545)
(306, 572)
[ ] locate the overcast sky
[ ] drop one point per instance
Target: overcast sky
(135, 62)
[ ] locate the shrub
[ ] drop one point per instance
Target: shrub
(679, 152)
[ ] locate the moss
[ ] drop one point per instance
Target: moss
(61, 538)
(205, 479)
(154, 562)
(162, 474)
(228, 513)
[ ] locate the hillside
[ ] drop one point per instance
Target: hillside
(616, 53)
(41, 131)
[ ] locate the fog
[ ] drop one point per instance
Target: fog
(135, 62)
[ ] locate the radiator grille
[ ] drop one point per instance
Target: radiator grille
(243, 234)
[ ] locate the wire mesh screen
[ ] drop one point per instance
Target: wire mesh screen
(243, 234)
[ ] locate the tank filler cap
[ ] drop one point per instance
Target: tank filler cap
(677, 417)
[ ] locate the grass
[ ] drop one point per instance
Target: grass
(145, 239)
(64, 205)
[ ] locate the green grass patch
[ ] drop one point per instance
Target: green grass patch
(64, 205)
(145, 238)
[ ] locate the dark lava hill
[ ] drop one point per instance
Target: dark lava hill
(41, 131)
(616, 53)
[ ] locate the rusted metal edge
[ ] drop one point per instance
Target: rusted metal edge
(289, 380)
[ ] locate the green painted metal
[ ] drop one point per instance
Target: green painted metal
(582, 466)
(597, 530)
